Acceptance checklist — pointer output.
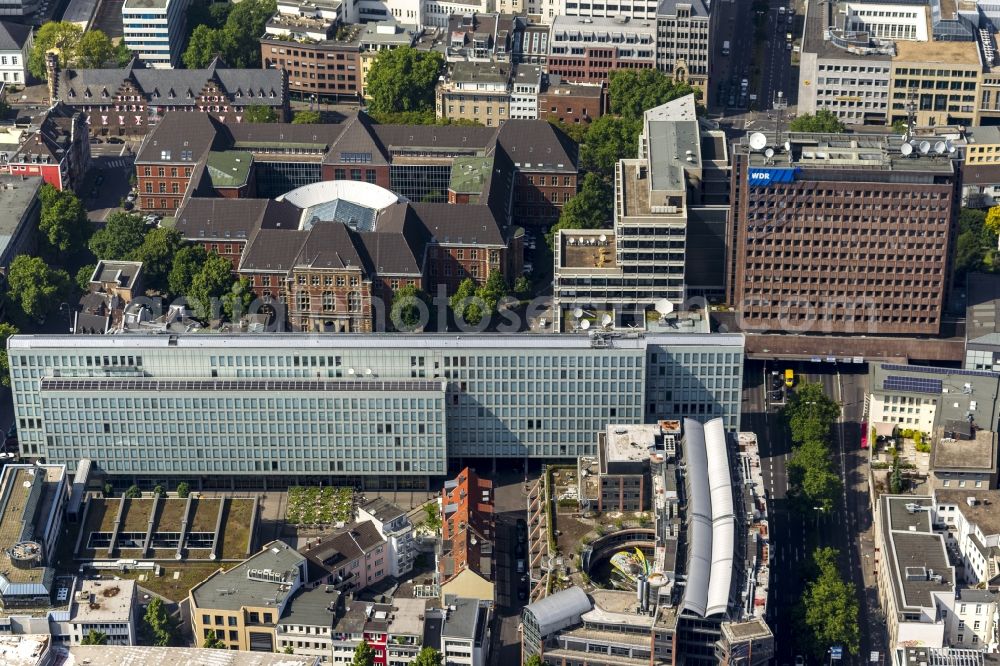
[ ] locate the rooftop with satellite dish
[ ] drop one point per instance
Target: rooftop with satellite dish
(587, 249)
(875, 151)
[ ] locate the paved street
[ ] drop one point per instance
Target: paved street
(776, 70)
(848, 528)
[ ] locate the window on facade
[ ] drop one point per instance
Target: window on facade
(394, 284)
(163, 188)
(328, 301)
(355, 281)
(473, 254)
(370, 175)
(354, 302)
(173, 172)
(355, 174)
(149, 188)
(303, 301)
(147, 171)
(160, 172)
(302, 279)
(340, 281)
(314, 280)
(175, 188)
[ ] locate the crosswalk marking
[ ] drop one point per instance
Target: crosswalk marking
(117, 163)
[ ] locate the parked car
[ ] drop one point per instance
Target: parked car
(520, 566)
(95, 139)
(115, 139)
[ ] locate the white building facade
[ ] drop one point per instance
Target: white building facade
(524, 95)
(155, 30)
(15, 44)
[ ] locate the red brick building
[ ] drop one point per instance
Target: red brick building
(171, 159)
(59, 151)
(571, 103)
(584, 50)
(131, 100)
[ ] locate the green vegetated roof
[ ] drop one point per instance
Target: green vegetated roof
(468, 174)
(229, 168)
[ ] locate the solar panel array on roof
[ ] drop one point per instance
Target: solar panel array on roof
(937, 371)
(912, 384)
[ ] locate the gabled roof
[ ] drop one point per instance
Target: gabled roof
(180, 137)
(444, 137)
(330, 245)
(177, 87)
(220, 219)
(458, 224)
(13, 36)
(273, 250)
(538, 145)
(357, 138)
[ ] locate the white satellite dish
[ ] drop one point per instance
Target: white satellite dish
(603, 238)
(924, 147)
(585, 324)
(906, 149)
(578, 313)
(950, 147)
(606, 320)
(664, 306)
(757, 141)
(788, 146)
(940, 147)
(769, 153)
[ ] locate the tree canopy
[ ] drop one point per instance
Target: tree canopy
(428, 656)
(632, 92)
(122, 234)
(236, 40)
(260, 114)
(36, 288)
(814, 480)
(63, 223)
(77, 48)
(6, 330)
(824, 121)
(590, 208)
(209, 285)
(403, 79)
(187, 263)
(406, 310)
(95, 637)
(830, 607)
(465, 305)
(213, 642)
(157, 253)
(364, 655)
(976, 246)
(609, 139)
(307, 118)
(158, 624)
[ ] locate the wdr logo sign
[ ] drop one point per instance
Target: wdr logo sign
(765, 177)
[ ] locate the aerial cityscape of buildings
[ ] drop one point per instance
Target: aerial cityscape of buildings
(474, 333)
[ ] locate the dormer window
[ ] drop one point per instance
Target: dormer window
(104, 92)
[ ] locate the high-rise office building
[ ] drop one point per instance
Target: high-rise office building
(841, 233)
(352, 406)
(155, 30)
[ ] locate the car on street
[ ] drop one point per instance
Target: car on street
(864, 434)
(115, 139)
(95, 139)
(520, 566)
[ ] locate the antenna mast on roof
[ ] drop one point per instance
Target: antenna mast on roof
(911, 112)
(779, 104)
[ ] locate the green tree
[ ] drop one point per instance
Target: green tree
(897, 483)
(94, 50)
(241, 33)
(210, 285)
(432, 516)
(829, 607)
(899, 127)
(364, 655)
(522, 286)
(133, 492)
(95, 637)
(122, 234)
(824, 121)
(609, 139)
(157, 253)
(6, 330)
(428, 656)
(464, 303)
(810, 413)
(260, 114)
(236, 302)
(187, 263)
(590, 208)
(406, 310)
(492, 291)
(36, 288)
(61, 35)
(183, 489)
(204, 44)
(108, 490)
(403, 79)
(213, 642)
(307, 118)
(632, 91)
(122, 55)
(159, 491)
(535, 660)
(63, 222)
(575, 131)
(288, 650)
(812, 476)
(160, 626)
(208, 13)
(83, 276)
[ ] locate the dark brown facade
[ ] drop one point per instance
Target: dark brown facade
(593, 65)
(842, 250)
(329, 70)
(539, 195)
(570, 103)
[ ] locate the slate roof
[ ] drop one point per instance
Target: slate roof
(13, 36)
(538, 143)
(273, 250)
(220, 219)
(279, 557)
(472, 137)
(176, 87)
(358, 137)
(669, 7)
(180, 137)
(54, 136)
(246, 135)
(458, 224)
(330, 245)
(312, 608)
(343, 547)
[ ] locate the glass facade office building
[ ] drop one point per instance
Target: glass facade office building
(349, 406)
